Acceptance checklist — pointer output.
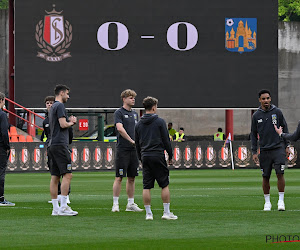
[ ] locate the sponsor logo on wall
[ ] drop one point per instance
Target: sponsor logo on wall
(36, 159)
(12, 160)
(86, 158)
(97, 158)
(210, 156)
(109, 158)
(224, 157)
(188, 157)
(177, 157)
(74, 158)
(242, 156)
(24, 158)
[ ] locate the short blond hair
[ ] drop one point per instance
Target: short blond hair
(128, 92)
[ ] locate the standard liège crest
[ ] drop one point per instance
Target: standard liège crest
(188, 157)
(74, 158)
(53, 36)
(224, 157)
(86, 158)
(211, 156)
(12, 160)
(177, 157)
(24, 158)
(242, 156)
(198, 157)
(292, 157)
(109, 157)
(97, 158)
(37, 159)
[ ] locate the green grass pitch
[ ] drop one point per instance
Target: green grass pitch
(217, 209)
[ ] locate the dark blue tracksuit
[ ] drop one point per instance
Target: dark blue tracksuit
(272, 146)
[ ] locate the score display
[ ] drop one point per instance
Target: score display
(188, 54)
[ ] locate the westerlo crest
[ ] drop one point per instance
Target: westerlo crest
(53, 36)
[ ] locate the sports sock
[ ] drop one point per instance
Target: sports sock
(130, 200)
(166, 208)
(267, 198)
(281, 196)
(63, 201)
(116, 200)
(148, 209)
(55, 204)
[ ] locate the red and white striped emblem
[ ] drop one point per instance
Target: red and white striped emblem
(224, 153)
(187, 154)
(54, 32)
(97, 154)
(37, 155)
(242, 154)
(12, 156)
(24, 155)
(210, 153)
(74, 155)
(109, 153)
(198, 153)
(292, 153)
(176, 154)
(86, 154)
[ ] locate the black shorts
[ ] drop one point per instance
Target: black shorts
(155, 168)
(275, 157)
(60, 160)
(127, 163)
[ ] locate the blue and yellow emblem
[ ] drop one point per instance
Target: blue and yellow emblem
(240, 34)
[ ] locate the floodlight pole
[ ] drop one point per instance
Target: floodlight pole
(229, 122)
(11, 55)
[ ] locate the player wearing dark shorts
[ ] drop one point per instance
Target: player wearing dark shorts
(273, 149)
(60, 159)
(152, 139)
(127, 163)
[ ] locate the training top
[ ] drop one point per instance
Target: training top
(128, 119)
(152, 137)
(58, 135)
(263, 125)
(4, 140)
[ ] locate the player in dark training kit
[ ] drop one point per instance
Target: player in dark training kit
(152, 138)
(127, 163)
(59, 154)
(273, 149)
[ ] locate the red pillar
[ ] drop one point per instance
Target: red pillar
(229, 122)
(11, 55)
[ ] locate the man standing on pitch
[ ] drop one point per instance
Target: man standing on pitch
(272, 147)
(152, 138)
(127, 163)
(58, 151)
(4, 151)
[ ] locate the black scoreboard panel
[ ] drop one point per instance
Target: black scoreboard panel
(188, 54)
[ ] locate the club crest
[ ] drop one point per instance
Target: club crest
(12, 160)
(292, 157)
(37, 159)
(53, 36)
(177, 157)
(24, 158)
(86, 158)
(242, 156)
(211, 156)
(109, 157)
(198, 157)
(188, 157)
(97, 158)
(224, 157)
(240, 34)
(74, 158)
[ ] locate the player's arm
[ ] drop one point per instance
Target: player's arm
(4, 128)
(137, 144)
(293, 137)
(65, 124)
(166, 140)
(254, 140)
(123, 133)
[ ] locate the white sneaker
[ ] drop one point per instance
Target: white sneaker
(169, 216)
(133, 208)
(115, 208)
(66, 211)
(281, 206)
(54, 212)
(149, 216)
(68, 199)
(267, 206)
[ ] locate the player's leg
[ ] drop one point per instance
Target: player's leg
(266, 163)
(131, 170)
(116, 193)
(161, 171)
(279, 165)
(3, 165)
(148, 184)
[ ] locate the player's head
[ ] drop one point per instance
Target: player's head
(128, 97)
(264, 98)
(181, 130)
(150, 104)
(170, 125)
(2, 100)
(220, 130)
(62, 91)
(49, 100)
